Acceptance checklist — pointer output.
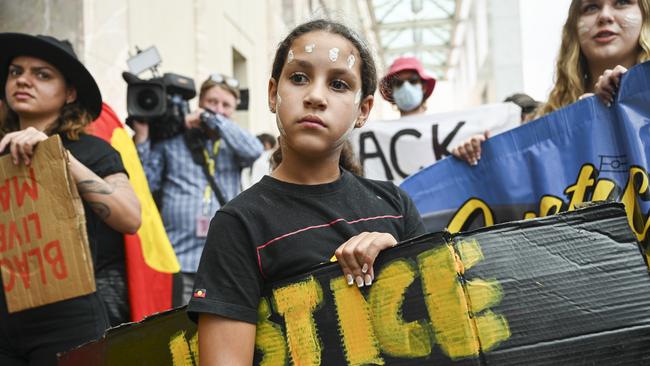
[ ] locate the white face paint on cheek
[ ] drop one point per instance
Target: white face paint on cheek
(347, 133)
(351, 60)
(340, 140)
(310, 48)
(630, 20)
(334, 54)
(583, 28)
(357, 97)
(278, 121)
(290, 56)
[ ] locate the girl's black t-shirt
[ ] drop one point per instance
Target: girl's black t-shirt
(106, 244)
(275, 230)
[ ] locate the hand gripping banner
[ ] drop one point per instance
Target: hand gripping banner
(584, 152)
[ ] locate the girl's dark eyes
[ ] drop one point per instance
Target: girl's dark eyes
(623, 2)
(339, 85)
(298, 78)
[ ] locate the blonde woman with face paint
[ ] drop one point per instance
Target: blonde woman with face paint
(311, 208)
(601, 39)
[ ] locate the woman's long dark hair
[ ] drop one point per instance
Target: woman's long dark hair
(71, 122)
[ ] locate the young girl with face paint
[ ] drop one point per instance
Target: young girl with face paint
(601, 39)
(311, 208)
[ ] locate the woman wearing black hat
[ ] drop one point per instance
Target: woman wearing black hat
(48, 91)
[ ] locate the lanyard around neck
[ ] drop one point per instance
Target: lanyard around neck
(211, 161)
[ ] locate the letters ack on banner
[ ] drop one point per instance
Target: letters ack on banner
(394, 149)
(44, 253)
(562, 290)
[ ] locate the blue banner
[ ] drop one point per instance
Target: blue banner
(584, 152)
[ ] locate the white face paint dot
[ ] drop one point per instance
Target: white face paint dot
(351, 60)
(334, 54)
(290, 56)
(310, 48)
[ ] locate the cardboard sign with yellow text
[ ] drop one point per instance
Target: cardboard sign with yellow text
(568, 289)
(44, 254)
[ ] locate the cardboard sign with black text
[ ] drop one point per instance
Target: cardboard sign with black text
(394, 149)
(44, 254)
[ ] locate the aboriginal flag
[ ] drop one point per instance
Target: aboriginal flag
(150, 258)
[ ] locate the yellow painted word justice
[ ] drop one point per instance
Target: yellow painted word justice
(459, 320)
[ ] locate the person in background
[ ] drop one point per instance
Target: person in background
(527, 104)
(472, 145)
(601, 39)
(268, 141)
(186, 195)
(261, 166)
(48, 91)
(407, 86)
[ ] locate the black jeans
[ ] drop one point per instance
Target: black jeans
(112, 289)
(182, 288)
(35, 336)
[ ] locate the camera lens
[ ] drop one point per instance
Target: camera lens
(148, 99)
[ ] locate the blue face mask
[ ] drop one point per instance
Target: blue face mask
(408, 96)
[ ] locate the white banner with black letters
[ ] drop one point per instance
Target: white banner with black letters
(395, 149)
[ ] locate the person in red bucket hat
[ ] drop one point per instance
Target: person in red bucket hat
(407, 86)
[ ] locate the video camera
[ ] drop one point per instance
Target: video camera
(162, 102)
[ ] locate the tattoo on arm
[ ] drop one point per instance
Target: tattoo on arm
(93, 186)
(106, 186)
(102, 210)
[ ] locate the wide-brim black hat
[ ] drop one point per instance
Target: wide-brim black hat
(58, 53)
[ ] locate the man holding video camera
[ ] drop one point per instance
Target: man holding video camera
(197, 171)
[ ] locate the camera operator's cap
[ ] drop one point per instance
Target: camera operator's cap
(401, 64)
(58, 53)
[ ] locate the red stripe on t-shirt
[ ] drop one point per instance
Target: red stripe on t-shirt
(259, 258)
